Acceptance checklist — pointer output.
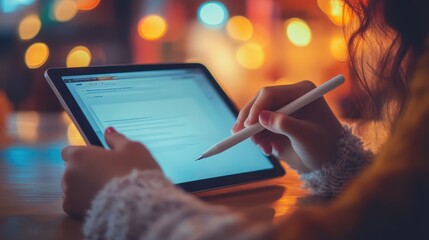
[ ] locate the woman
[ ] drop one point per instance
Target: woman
(387, 200)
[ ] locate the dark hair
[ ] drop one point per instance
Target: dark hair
(387, 39)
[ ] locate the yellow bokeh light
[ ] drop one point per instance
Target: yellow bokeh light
(65, 10)
(336, 10)
(87, 5)
(73, 136)
(338, 48)
(239, 28)
(298, 32)
(250, 56)
(65, 117)
(29, 27)
(152, 27)
(36, 55)
(79, 56)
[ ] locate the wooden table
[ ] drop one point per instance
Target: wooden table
(31, 169)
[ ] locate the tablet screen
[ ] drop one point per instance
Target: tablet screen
(176, 113)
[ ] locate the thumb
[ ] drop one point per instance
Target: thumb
(114, 139)
(283, 124)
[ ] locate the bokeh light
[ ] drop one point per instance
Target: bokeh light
(28, 125)
(298, 32)
(10, 6)
(36, 55)
(239, 28)
(338, 48)
(213, 14)
(79, 56)
(73, 136)
(152, 27)
(250, 56)
(86, 5)
(64, 10)
(29, 27)
(336, 11)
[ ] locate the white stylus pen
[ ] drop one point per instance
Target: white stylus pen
(288, 109)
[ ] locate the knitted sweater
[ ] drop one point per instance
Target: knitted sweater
(146, 205)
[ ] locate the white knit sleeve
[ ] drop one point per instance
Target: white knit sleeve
(145, 205)
(351, 158)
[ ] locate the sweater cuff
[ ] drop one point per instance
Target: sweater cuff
(351, 158)
(146, 205)
(121, 201)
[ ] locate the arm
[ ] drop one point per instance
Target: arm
(131, 199)
(145, 205)
(389, 199)
(349, 161)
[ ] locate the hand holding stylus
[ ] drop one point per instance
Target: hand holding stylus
(288, 109)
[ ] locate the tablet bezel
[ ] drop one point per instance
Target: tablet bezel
(54, 78)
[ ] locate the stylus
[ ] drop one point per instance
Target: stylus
(288, 109)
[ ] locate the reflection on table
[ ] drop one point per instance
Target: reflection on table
(31, 169)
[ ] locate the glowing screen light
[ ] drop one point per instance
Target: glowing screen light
(79, 56)
(64, 10)
(87, 5)
(213, 14)
(239, 28)
(298, 32)
(250, 56)
(36, 55)
(152, 27)
(29, 27)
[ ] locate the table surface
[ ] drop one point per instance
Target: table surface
(31, 168)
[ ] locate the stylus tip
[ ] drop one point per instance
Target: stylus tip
(201, 157)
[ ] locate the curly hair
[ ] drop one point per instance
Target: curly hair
(387, 38)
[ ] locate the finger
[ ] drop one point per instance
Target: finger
(114, 139)
(279, 143)
(262, 137)
(77, 153)
(242, 115)
(65, 152)
(263, 102)
(71, 153)
(273, 98)
(263, 141)
(282, 124)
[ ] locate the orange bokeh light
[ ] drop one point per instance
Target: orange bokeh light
(152, 27)
(87, 5)
(36, 55)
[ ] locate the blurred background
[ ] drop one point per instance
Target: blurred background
(246, 44)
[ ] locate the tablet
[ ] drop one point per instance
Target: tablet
(176, 110)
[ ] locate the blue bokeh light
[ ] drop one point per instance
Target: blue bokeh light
(9, 6)
(213, 14)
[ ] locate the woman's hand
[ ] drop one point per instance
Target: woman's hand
(89, 168)
(305, 140)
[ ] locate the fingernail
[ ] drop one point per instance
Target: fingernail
(247, 122)
(110, 130)
(264, 117)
